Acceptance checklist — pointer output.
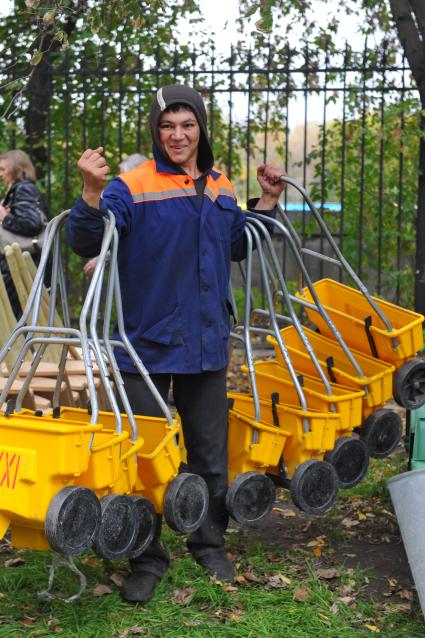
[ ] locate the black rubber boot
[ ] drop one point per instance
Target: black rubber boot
(216, 563)
(139, 587)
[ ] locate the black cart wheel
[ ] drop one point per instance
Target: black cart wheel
(314, 486)
(250, 497)
(186, 502)
(119, 528)
(381, 432)
(147, 525)
(409, 384)
(72, 520)
(350, 458)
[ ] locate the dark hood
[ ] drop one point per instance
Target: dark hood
(178, 93)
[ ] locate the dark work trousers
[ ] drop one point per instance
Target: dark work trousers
(201, 401)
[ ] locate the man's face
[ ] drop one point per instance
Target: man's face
(179, 135)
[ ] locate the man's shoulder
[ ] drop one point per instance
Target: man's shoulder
(137, 179)
(221, 183)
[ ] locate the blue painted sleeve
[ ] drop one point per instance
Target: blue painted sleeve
(85, 226)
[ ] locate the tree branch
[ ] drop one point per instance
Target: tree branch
(410, 41)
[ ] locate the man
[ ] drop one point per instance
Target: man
(179, 228)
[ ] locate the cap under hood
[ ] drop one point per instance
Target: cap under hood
(174, 94)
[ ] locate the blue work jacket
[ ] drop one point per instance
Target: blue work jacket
(174, 263)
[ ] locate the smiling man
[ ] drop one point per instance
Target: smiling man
(179, 227)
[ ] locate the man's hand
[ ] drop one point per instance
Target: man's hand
(272, 187)
(90, 266)
(94, 171)
(3, 212)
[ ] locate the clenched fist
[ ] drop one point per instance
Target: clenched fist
(271, 186)
(94, 171)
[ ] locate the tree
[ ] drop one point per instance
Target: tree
(38, 32)
(402, 24)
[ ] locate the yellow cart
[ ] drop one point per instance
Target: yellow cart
(386, 331)
(381, 427)
(308, 435)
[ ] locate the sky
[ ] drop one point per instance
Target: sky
(221, 20)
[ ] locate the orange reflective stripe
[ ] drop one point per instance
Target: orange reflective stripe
(146, 184)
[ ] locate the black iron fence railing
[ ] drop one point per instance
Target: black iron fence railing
(346, 125)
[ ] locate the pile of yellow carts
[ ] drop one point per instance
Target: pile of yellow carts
(316, 411)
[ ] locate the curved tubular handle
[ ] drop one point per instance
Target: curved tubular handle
(344, 263)
(275, 326)
(103, 369)
(246, 332)
(107, 348)
(293, 316)
(125, 343)
(85, 310)
(318, 306)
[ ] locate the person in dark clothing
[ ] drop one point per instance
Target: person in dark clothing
(20, 208)
(179, 227)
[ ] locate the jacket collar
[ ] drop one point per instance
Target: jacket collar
(165, 166)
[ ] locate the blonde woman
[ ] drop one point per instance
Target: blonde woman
(19, 210)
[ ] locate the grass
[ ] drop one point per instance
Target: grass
(289, 599)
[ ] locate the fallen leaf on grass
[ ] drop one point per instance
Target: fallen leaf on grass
(334, 609)
(28, 620)
(117, 579)
(324, 619)
(327, 574)
(192, 623)
(14, 562)
(392, 582)
(349, 522)
(131, 631)
(373, 628)
(278, 581)
(251, 577)
(301, 594)
(346, 600)
(240, 579)
(361, 516)
(101, 590)
(306, 527)
(90, 561)
(404, 608)
(183, 596)
(319, 541)
(387, 513)
(405, 594)
(231, 588)
(228, 616)
(284, 512)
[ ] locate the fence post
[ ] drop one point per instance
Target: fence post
(420, 227)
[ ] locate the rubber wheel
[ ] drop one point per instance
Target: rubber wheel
(314, 486)
(250, 497)
(186, 502)
(381, 432)
(119, 528)
(147, 525)
(72, 520)
(350, 458)
(409, 384)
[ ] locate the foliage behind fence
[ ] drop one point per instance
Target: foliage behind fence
(361, 152)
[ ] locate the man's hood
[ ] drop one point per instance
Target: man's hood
(174, 94)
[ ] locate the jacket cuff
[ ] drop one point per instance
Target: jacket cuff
(254, 201)
(83, 206)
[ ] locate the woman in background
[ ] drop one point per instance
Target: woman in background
(20, 210)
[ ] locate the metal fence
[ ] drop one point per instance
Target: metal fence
(344, 124)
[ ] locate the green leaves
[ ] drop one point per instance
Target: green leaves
(36, 58)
